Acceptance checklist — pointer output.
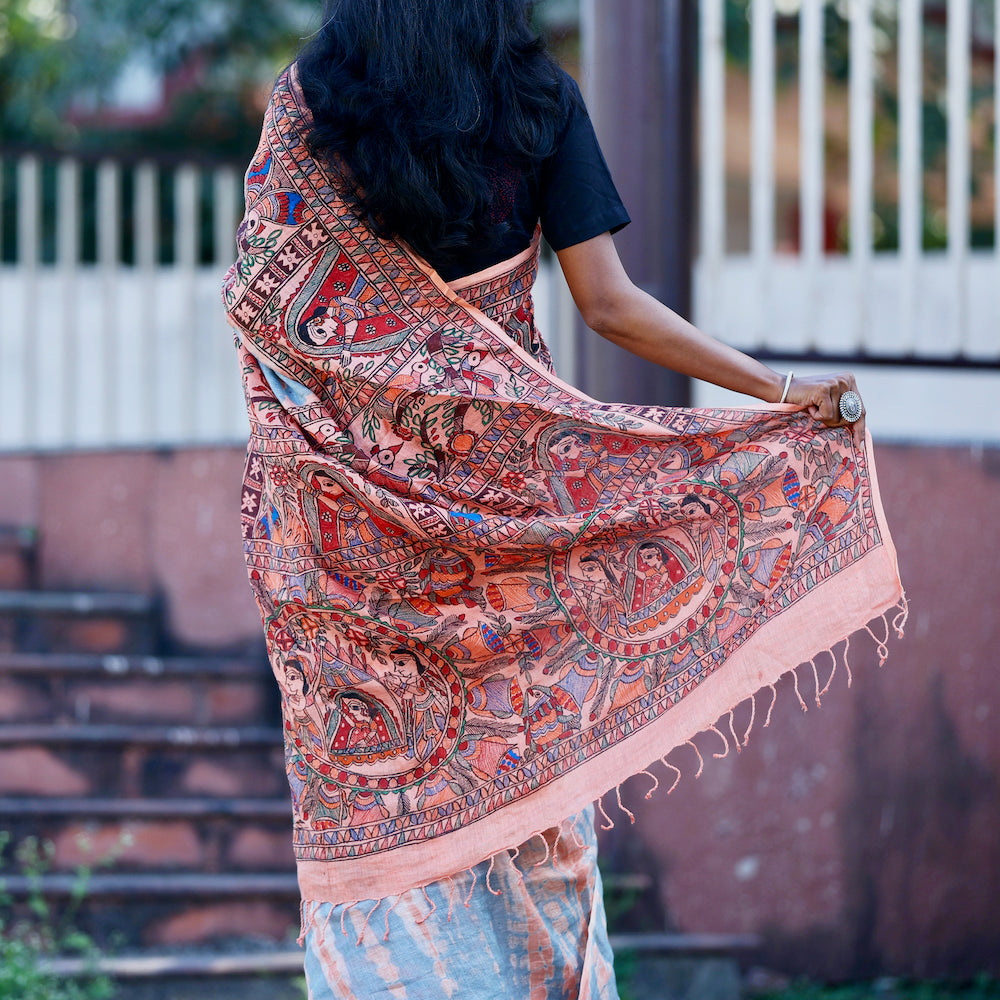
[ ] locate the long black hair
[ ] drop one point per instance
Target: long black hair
(415, 102)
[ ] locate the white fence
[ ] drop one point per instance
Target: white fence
(906, 302)
(112, 352)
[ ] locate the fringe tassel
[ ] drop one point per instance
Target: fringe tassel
(628, 812)
(451, 897)
(812, 663)
(537, 864)
(343, 913)
(725, 743)
(468, 899)
(385, 937)
(364, 926)
(899, 622)
(701, 760)
(732, 729)
(666, 763)
(489, 871)
(427, 915)
(795, 684)
(610, 825)
(826, 687)
(774, 698)
(753, 715)
(656, 783)
(881, 644)
(847, 662)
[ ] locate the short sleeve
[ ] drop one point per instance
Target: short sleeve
(578, 199)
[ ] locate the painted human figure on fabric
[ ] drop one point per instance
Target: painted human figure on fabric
(338, 522)
(344, 315)
(419, 701)
(656, 570)
(306, 715)
(363, 728)
(601, 592)
(581, 464)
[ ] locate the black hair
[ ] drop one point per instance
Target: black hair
(414, 104)
(566, 432)
(303, 330)
(690, 498)
(421, 666)
(296, 664)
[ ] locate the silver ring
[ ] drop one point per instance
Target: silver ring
(851, 407)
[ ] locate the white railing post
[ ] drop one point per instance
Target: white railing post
(28, 371)
(861, 157)
(65, 396)
(762, 180)
(811, 159)
(106, 340)
(712, 157)
(911, 190)
(958, 168)
(186, 257)
(147, 246)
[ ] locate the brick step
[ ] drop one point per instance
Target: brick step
(151, 835)
(243, 974)
(136, 761)
(180, 908)
(18, 558)
(107, 689)
(76, 621)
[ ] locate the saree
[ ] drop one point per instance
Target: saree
(543, 934)
(488, 598)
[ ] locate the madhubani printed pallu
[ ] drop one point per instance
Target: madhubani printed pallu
(488, 598)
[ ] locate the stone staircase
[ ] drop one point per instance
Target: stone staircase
(162, 774)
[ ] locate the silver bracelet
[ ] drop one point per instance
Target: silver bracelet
(788, 382)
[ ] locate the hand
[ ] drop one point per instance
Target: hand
(820, 395)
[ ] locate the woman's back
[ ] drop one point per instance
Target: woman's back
(454, 130)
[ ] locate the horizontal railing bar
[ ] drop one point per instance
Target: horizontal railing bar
(126, 158)
(884, 360)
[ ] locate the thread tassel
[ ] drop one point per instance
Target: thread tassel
(433, 906)
(774, 698)
(676, 770)
(610, 825)
(628, 812)
(385, 937)
(656, 783)
(795, 684)
(489, 871)
(725, 743)
(753, 716)
(701, 760)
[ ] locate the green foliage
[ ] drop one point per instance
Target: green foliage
(60, 58)
(28, 939)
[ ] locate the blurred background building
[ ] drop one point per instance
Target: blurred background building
(815, 182)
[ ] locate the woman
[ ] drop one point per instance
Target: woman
(422, 141)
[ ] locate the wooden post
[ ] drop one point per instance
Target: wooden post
(639, 87)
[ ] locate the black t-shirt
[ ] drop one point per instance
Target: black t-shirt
(571, 193)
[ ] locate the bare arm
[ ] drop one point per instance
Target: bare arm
(624, 314)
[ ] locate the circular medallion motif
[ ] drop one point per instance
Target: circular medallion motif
(649, 591)
(382, 721)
